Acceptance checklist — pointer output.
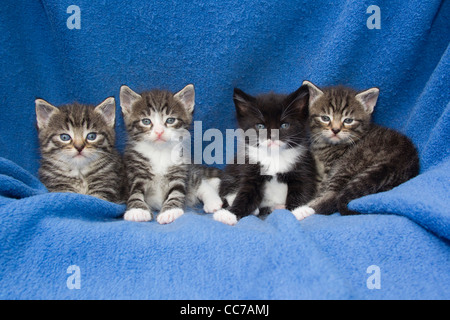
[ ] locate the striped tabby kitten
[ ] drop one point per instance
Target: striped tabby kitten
(278, 170)
(77, 148)
(159, 174)
(354, 156)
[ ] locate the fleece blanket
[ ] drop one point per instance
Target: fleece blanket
(70, 246)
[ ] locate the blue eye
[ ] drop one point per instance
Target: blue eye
(170, 120)
(91, 136)
(325, 118)
(285, 125)
(260, 126)
(65, 137)
(348, 120)
(146, 122)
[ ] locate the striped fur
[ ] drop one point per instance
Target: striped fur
(160, 179)
(80, 165)
(358, 158)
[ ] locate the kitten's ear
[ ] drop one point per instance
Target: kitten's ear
(44, 111)
(107, 109)
(368, 99)
(187, 97)
(242, 101)
(127, 98)
(299, 98)
(314, 92)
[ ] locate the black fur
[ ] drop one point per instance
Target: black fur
(247, 180)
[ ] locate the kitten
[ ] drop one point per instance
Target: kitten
(354, 157)
(77, 148)
(159, 177)
(278, 170)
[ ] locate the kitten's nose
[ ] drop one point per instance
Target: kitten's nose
(79, 147)
(335, 131)
(158, 130)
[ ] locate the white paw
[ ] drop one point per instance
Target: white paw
(139, 215)
(212, 205)
(169, 216)
(255, 212)
(303, 212)
(225, 216)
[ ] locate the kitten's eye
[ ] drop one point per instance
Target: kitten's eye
(348, 120)
(65, 137)
(146, 122)
(170, 120)
(91, 136)
(260, 126)
(325, 118)
(285, 125)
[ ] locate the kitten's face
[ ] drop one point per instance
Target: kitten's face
(280, 121)
(75, 134)
(158, 117)
(340, 115)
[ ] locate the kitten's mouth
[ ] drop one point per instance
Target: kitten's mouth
(79, 156)
(272, 144)
(334, 139)
(159, 140)
(337, 139)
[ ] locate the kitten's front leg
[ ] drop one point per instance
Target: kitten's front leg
(174, 203)
(326, 204)
(247, 200)
(299, 193)
(137, 208)
(208, 193)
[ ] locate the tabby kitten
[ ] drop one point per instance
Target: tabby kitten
(278, 170)
(354, 157)
(77, 148)
(158, 169)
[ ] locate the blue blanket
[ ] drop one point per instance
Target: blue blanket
(69, 246)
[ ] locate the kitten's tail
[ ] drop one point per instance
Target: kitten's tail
(378, 178)
(200, 172)
(211, 172)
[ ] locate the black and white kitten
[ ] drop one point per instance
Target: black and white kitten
(354, 157)
(77, 150)
(278, 170)
(159, 174)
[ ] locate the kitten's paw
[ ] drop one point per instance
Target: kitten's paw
(169, 216)
(212, 205)
(139, 215)
(225, 216)
(303, 212)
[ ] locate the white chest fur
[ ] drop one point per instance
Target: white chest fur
(275, 161)
(161, 158)
(274, 194)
